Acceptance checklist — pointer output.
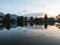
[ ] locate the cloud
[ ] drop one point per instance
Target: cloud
(38, 8)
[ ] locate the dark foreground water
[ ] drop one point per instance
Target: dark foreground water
(35, 35)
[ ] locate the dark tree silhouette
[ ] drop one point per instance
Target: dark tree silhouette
(21, 18)
(26, 19)
(45, 17)
(7, 21)
(31, 19)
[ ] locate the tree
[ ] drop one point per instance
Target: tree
(7, 20)
(31, 19)
(21, 18)
(7, 17)
(25, 18)
(45, 18)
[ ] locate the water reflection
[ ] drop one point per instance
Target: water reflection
(29, 32)
(58, 25)
(29, 24)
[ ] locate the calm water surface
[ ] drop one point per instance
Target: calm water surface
(35, 35)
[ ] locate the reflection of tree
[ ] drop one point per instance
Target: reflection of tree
(20, 24)
(51, 23)
(1, 27)
(58, 25)
(31, 23)
(58, 18)
(45, 25)
(23, 21)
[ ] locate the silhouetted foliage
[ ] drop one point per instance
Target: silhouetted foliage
(31, 19)
(26, 19)
(7, 21)
(45, 17)
(23, 21)
(20, 18)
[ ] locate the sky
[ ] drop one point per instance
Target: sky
(51, 7)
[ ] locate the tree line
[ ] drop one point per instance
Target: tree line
(7, 19)
(32, 20)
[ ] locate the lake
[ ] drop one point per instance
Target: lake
(30, 35)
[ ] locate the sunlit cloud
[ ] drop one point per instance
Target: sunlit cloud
(49, 9)
(36, 9)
